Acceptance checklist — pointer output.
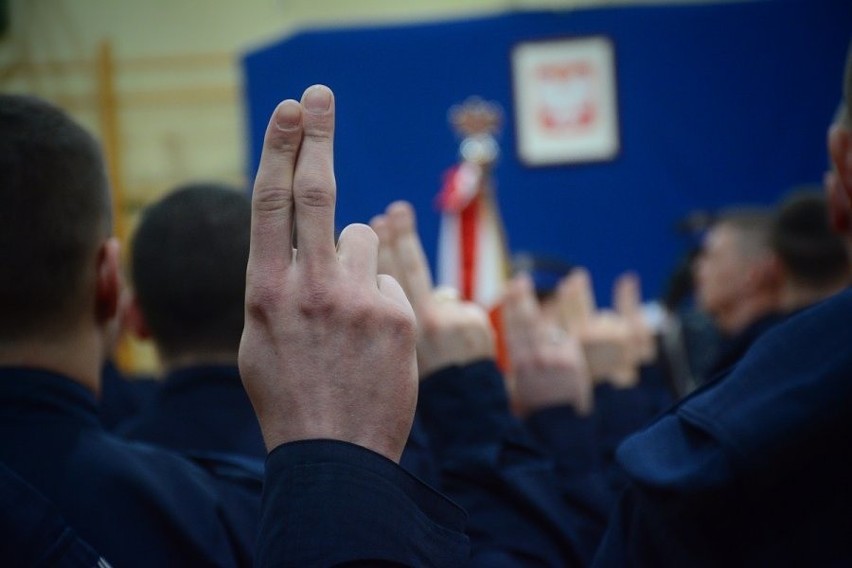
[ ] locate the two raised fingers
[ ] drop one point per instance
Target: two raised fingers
(295, 190)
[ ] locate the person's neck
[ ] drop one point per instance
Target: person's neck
(77, 355)
(795, 297)
(744, 313)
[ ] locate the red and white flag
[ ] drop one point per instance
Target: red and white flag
(472, 253)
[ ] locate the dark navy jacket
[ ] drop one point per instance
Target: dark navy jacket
(135, 504)
(620, 412)
(121, 398)
(732, 349)
(752, 468)
(524, 507)
(200, 409)
(33, 533)
(328, 502)
(204, 411)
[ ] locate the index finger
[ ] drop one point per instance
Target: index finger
(272, 197)
(627, 297)
(410, 258)
(387, 256)
(576, 300)
(314, 187)
(521, 314)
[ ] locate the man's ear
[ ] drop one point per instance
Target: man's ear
(766, 273)
(840, 148)
(838, 183)
(776, 272)
(108, 281)
(134, 319)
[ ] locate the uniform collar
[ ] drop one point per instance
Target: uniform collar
(187, 377)
(31, 392)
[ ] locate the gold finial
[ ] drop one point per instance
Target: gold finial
(477, 122)
(476, 117)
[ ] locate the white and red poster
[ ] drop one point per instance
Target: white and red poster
(565, 101)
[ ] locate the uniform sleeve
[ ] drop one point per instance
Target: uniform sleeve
(329, 503)
(521, 511)
(620, 412)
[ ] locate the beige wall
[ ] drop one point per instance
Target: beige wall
(176, 72)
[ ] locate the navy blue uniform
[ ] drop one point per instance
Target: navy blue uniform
(200, 409)
(122, 398)
(204, 411)
(620, 412)
(329, 502)
(135, 504)
(732, 349)
(33, 533)
(751, 469)
(523, 507)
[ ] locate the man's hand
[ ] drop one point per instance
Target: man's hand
(328, 346)
(548, 363)
(605, 337)
(627, 301)
(449, 331)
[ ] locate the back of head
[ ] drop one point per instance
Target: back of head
(54, 213)
(752, 225)
(813, 254)
(189, 257)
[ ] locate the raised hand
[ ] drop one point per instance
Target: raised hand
(328, 346)
(627, 301)
(605, 336)
(548, 363)
(449, 331)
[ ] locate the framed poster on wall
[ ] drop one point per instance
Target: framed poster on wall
(566, 107)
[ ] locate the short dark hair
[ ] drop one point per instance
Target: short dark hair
(54, 213)
(752, 223)
(189, 257)
(803, 240)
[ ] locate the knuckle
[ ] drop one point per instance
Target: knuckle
(362, 314)
(321, 132)
(315, 301)
(401, 326)
(272, 197)
(260, 300)
(286, 143)
(314, 192)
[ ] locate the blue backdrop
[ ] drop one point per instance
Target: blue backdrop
(718, 104)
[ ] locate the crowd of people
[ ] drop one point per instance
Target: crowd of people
(324, 403)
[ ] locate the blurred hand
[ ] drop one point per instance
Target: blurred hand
(449, 331)
(605, 337)
(328, 346)
(627, 300)
(548, 363)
